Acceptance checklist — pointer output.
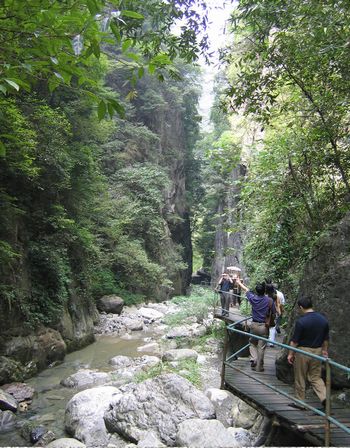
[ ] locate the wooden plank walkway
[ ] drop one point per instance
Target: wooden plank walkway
(276, 406)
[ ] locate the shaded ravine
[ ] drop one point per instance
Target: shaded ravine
(48, 406)
(49, 402)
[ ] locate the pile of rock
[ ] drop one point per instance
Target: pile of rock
(165, 411)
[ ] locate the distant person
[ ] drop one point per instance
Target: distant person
(311, 334)
(282, 302)
(236, 292)
(270, 291)
(262, 306)
(224, 286)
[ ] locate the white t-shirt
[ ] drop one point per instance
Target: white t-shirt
(280, 295)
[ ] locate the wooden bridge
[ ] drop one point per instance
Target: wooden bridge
(259, 389)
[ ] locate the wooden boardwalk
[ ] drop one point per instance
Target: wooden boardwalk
(244, 382)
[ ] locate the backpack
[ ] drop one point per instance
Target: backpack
(270, 319)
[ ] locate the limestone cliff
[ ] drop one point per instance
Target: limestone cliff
(326, 280)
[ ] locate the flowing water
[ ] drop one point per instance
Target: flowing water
(50, 400)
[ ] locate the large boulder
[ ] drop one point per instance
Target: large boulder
(180, 354)
(10, 370)
(110, 304)
(44, 348)
(66, 442)
(19, 391)
(197, 433)
(159, 405)
(86, 378)
(187, 331)
(8, 421)
(7, 402)
(326, 280)
(126, 368)
(84, 415)
(223, 402)
(245, 416)
(150, 314)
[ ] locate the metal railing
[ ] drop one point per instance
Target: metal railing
(327, 361)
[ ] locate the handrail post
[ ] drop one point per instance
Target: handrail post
(223, 367)
(328, 404)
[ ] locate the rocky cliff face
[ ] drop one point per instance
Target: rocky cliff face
(326, 280)
(228, 236)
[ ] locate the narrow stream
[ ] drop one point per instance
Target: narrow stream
(49, 403)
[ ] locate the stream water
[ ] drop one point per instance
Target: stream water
(48, 406)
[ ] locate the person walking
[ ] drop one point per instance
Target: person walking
(262, 308)
(271, 292)
(282, 302)
(311, 334)
(224, 286)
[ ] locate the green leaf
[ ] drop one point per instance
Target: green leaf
(3, 89)
(132, 14)
(133, 56)
(96, 48)
(118, 108)
(140, 72)
(93, 7)
(12, 84)
(126, 44)
(2, 149)
(110, 109)
(151, 68)
(115, 31)
(102, 109)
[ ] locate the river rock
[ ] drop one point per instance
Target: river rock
(223, 402)
(243, 415)
(161, 307)
(44, 347)
(84, 415)
(19, 391)
(45, 439)
(198, 433)
(150, 314)
(133, 323)
(186, 331)
(7, 402)
(8, 421)
(37, 433)
(125, 373)
(152, 347)
(66, 442)
(85, 378)
(150, 440)
(159, 405)
(110, 304)
(10, 370)
(242, 436)
(180, 354)
(121, 361)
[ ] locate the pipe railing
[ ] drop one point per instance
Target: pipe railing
(327, 361)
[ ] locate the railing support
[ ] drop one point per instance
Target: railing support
(223, 367)
(327, 428)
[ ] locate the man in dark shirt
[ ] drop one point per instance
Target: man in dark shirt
(261, 307)
(311, 334)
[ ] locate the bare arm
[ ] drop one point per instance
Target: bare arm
(325, 346)
(239, 283)
(291, 354)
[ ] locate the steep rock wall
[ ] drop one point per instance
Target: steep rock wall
(326, 280)
(228, 236)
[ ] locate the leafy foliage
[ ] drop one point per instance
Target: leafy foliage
(57, 43)
(288, 71)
